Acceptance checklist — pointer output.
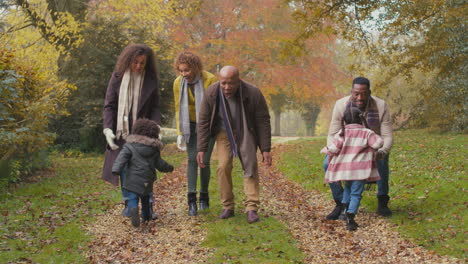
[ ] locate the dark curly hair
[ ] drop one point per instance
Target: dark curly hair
(352, 115)
(130, 53)
(189, 58)
(146, 127)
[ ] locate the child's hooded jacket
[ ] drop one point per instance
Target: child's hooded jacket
(142, 156)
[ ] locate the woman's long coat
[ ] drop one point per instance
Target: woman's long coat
(148, 107)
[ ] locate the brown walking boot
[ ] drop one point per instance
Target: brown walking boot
(226, 214)
(252, 216)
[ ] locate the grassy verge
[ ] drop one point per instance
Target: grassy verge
(42, 222)
(428, 185)
(236, 241)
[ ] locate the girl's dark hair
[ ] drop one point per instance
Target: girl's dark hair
(352, 115)
(189, 58)
(130, 53)
(146, 127)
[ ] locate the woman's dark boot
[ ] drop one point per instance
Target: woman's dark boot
(382, 208)
(351, 225)
(336, 211)
(192, 203)
(204, 201)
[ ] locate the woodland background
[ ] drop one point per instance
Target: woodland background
(56, 58)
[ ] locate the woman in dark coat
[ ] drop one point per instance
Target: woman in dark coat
(132, 93)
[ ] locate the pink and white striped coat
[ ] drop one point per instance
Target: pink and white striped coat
(353, 158)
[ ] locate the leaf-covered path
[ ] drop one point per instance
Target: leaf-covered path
(173, 238)
(177, 238)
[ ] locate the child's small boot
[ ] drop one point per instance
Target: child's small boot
(192, 203)
(343, 212)
(152, 213)
(204, 201)
(351, 225)
(145, 209)
(126, 211)
(135, 216)
(336, 211)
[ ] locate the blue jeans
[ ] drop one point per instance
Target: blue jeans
(352, 195)
(133, 199)
(125, 192)
(382, 184)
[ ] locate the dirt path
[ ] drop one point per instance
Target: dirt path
(173, 238)
(176, 238)
(326, 241)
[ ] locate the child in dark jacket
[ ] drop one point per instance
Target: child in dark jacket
(141, 156)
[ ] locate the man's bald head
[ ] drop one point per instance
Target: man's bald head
(229, 71)
(229, 80)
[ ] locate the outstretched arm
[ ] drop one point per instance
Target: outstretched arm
(163, 166)
(122, 159)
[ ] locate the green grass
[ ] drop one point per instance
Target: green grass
(43, 222)
(236, 241)
(428, 185)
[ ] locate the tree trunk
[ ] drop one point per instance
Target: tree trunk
(310, 118)
(277, 128)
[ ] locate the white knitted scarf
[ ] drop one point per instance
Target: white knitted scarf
(184, 117)
(129, 95)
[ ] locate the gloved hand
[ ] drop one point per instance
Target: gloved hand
(381, 153)
(110, 138)
(181, 143)
(160, 133)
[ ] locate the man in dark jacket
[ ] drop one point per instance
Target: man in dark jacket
(235, 113)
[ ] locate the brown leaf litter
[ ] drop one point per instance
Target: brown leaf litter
(176, 237)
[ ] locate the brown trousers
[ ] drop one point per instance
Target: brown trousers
(224, 172)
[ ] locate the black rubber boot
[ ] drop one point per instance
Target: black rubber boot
(336, 211)
(344, 207)
(145, 208)
(192, 203)
(152, 214)
(135, 216)
(382, 208)
(351, 225)
(204, 201)
(125, 211)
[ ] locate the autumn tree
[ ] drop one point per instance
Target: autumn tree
(251, 35)
(31, 93)
(402, 39)
(28, 101)
(88, 36)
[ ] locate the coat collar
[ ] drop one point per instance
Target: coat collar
(145, 141)
(149, 85)
(353, 126)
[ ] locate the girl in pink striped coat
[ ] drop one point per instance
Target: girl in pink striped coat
(352, 160)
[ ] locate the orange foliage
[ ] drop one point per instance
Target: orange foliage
(251, 35)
